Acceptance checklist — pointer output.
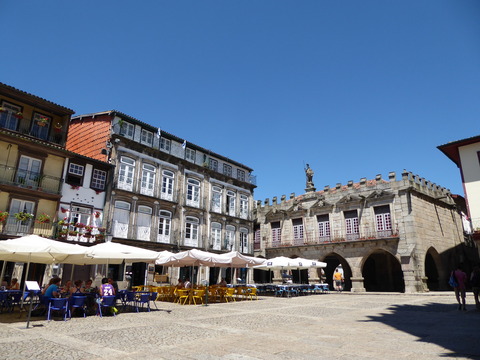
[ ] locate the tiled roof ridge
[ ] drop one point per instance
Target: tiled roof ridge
(35, 96)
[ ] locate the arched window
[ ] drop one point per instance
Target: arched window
(164, 226)
(147, 186)
(216, 199)
(216, 236)
(167, 185)
(144, 222)
(231, 203)
(125, 173)
(243, 240)
(230, 237)
(191, 231)
(244, 206)
(193, 192)
(121, 219)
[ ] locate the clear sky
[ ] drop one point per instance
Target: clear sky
(354, 88)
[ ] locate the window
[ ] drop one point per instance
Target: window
(191, 231)
(190, 155)
(75, 174)
(216, 236)
(80, 215)
(8, 118)
(256, 240)
(41, 125)
(193, 192)
(216, 199)
(167, 185)
(230, 237)
(244, 206)
(213, 164)
(164, 224)
(383, 221)
(144, 222)
(231, 203)
(99, 178)
(148, 179)
(126, 171)
(276, 233)
(165, 144)
(351, 225)
(243, 240)
(14, 226)
(240, 175)
(28, 173)
(146, 137)
(323, 228)
(121, 219)
(297, 231)
(127, 129)
(227, 170)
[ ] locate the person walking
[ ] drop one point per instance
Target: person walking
(461, 278)
(337, 280)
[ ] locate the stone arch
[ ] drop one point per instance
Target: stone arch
(382, 271)
(432, 266)
(333, 261)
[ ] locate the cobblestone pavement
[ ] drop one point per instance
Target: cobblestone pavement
(327, 326)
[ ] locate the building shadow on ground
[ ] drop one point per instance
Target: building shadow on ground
(442, 324)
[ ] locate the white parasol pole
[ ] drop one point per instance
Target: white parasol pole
(3, 271)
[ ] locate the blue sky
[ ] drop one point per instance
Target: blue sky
(354, 88)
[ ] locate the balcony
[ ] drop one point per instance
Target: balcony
(49, 133)
(336, 237)
(139, 187)
(30, 180)
(14, 227)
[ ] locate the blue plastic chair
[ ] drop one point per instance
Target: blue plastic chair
(106, 302)
(78, 302)
(58, 304)
(144, 299)
(130, 299)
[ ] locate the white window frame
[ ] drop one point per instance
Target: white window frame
(190, 155)
(164, 226)
(99, 179)
(76, 169)
(146, 137)
(147, 183)
(216, 236)
(276, 235)
(243, 240)
(230, 237)
(165, 144)
(192, 229)
(193, 192)
(127, 130)
(144, 222)
(231, 202)
(168, 182)
(298, 230)
(126, 173)
(217, 194)
(243, 206)
(121, 219)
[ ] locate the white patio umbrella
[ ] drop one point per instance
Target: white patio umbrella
(193, 257)
(236, 259)
(281, 263)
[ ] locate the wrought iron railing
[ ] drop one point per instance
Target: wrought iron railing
(30, 180)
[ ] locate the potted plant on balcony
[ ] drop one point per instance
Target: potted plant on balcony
(3, 216)
(23, 217)
(62, 234)
(57, 127)
(42, 121)
(80, 225)
(43, 218)
(18, 115)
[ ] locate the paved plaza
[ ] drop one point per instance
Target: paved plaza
(327, 326)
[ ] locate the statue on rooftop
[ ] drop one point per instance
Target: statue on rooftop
(309, 174)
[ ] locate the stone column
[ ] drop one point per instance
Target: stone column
(357, 284)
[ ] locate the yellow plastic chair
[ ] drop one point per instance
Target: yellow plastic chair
(198, 295)
(229, 294)
(183, 295)
(251, 292)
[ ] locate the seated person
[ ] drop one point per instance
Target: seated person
(88, 288)
(65, 290)
(223, 283)
(114, 284)
(180, 284)
(106, 289)
(187, 284)
(53, 291)
(14, 285)
(77, 289)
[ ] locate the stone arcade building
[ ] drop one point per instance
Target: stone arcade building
(388, 235)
